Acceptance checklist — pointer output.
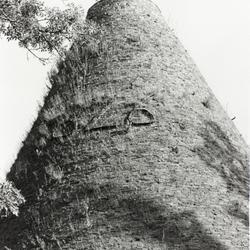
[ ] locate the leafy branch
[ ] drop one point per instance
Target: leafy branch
(38, 28)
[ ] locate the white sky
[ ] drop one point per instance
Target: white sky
(216, 33)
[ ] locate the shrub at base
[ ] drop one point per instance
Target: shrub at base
(10, 199)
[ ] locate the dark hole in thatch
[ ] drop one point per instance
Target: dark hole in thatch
(206, 104)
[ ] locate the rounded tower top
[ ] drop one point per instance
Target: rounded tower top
(112, 11)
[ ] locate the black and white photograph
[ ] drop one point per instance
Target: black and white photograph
(125, 124)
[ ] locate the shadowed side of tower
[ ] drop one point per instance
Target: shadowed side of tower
(139, 156)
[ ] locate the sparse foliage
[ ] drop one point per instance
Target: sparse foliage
(39, 28)
(10, 199)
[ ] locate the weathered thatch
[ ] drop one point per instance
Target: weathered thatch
(131, 149)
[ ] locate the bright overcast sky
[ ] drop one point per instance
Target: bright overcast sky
(216, 33)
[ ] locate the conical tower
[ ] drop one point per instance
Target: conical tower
(131, 149)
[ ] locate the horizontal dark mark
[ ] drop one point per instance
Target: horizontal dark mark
(107, 127)
(112, 127)
(141, 124)
(119, 129)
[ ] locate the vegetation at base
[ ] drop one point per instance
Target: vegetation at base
(10, 199)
